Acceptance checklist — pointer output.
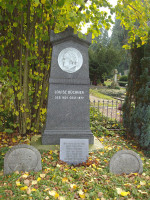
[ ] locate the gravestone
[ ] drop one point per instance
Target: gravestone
(22, 158)
(68, 101)
(125, 162)
(74, 151)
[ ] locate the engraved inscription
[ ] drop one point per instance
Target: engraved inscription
(69, 94)
(70, 60)
(74, 151)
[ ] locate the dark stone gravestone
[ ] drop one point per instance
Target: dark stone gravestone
(22, 158)
(74, 151)
(125, 162)
(68, 101)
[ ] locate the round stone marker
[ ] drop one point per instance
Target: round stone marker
(22, 158)
(125, 162)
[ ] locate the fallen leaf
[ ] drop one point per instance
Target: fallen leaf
(64, 180)
(14, 140)
(142, 192)
(42, 175)
(123, 193)
(142, 183)
(38, 179)
(81, 194)
(33, 189)
(73, 186)
(54, 193)
(25, 175)
(34, 182)
(29, 190)
(100, 194)
(27, 182)
(61, 198)
(18, 183)
(24, 188)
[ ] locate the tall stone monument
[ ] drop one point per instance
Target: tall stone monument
(68, 101)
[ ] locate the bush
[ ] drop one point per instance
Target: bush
(123, 78)
(123, 83)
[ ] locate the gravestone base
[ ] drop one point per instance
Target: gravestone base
(52, 137)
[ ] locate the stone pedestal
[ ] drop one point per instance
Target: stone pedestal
(68, 101)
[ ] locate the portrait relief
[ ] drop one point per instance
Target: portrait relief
(70, 60)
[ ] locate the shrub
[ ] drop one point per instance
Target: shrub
(122, 83)
(123, 78)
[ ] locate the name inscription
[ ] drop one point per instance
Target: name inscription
(69, 94)
(74, 151)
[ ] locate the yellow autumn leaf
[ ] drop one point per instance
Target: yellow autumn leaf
(64, 180)
(38, 179)
(17, 113)
(24, 188)
(42, 175)
(123, 193)
(138, 186)
(81, 194)
(25, 175)
(73, 186)
(94, 165)
(14, 140)
(34, 182)
(18, 183)
(33, 189)
(54, 193)
(43, 1)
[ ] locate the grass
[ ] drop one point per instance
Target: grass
(91, 180)
(96, 93)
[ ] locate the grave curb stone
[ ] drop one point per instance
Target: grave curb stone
(38, 165)
(117, 165)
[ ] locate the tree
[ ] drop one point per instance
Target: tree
(25, 52)
(118, 39)
(103, 58)
(134, 16)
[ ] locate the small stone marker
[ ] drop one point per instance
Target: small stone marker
(74, 151)
(22, 158)
(126, 162)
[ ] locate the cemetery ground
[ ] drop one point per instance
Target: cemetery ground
(90, 180)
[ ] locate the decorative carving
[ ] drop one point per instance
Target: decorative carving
(70, 60)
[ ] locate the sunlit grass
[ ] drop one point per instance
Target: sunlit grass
(96, 93)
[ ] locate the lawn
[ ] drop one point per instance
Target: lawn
(91, 180)
(97, 93)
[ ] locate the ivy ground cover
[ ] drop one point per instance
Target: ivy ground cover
(90, 180)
